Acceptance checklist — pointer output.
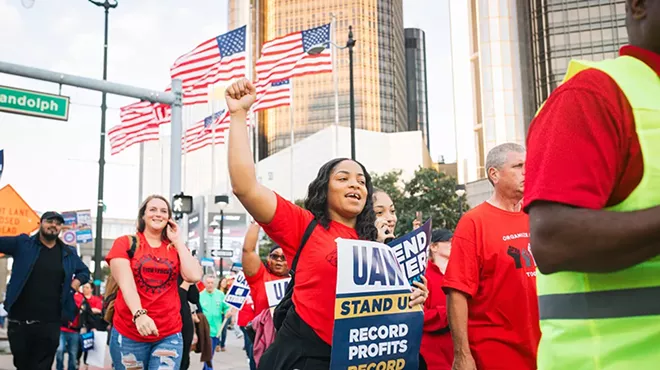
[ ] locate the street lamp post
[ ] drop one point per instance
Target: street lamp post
(350, 44)
(98, 241)
(318, 49)
(222, 201)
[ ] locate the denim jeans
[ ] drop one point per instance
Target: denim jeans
(223, 333)
(215, 341)
(248, 348)
(163, 354)
(69, 343)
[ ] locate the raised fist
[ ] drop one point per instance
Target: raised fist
(240, 95)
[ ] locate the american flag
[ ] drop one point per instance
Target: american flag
(220, 59)
(276, 94)
(200, 134)
(138, 124)
(286, 57)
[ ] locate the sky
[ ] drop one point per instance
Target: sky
(54, 164)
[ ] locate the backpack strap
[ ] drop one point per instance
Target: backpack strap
(308, 231)
(135, 241)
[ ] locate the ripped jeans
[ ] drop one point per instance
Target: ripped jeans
(129, 354)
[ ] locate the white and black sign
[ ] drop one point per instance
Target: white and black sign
(222, 253)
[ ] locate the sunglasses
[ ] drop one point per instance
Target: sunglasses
(277, 257)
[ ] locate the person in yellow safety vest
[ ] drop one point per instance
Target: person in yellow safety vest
(592, 192)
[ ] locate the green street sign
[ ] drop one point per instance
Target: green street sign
(34, 103)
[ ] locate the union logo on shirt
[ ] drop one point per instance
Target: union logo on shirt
(153, 274)
(521, 258)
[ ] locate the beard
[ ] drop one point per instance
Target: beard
(48, 235)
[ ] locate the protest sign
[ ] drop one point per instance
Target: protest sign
(238, 292)
(411, 250)
(374, 326)
(275, 290)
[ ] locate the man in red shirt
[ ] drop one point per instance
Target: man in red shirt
(586, 156)
(491, 276)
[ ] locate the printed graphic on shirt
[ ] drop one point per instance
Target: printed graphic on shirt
(153, 274)
(522, 258)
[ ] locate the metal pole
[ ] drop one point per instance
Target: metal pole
(87, 83)
(175, 144)
(141, 172)
(222, 229)
(98, 241)
(335, 75)
(350, 44)
(292, 136)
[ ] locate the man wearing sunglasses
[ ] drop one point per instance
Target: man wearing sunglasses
(45, 275)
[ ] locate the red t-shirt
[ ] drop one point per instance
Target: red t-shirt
(316, 274)
(492, 263)
(156, 271)
(246, 314)
(258, 287)
(78, 299)
(582, 147)
(437, 349)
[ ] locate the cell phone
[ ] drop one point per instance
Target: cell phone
(418, 216)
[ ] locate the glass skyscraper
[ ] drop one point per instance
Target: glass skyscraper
(561, 30)
(418, 106)
(379, 65)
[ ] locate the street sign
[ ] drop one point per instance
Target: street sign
(34, 103)
(222, 253)
(16, 216)
(69, 237)
(208, 262)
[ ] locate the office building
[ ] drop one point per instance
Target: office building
(561, 30)
(379, 66)
(488, 95)
(417, 92)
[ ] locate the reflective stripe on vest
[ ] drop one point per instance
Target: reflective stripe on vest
(611, 321)
(607, 304)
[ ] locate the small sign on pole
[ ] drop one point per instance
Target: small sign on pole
(222, 253)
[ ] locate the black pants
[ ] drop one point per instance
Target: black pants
(33, 346)
(187, 332)
(296, 346)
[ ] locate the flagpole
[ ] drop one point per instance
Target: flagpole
(335, 75)
(186, 116)
(141, 172)
(212, 146)
(292, 139)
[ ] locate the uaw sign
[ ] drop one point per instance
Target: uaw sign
(275, 290)
(411, 250)
(238, 292)
(374, 326)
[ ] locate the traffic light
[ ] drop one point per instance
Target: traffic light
(182, 204)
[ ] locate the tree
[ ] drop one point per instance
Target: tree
(390, 182)
(430, 192)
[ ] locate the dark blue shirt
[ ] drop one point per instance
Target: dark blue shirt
(26, 250)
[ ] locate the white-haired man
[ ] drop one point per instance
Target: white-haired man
(490, 279)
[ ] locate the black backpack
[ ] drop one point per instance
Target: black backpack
(287, 302)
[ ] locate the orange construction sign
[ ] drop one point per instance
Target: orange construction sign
(16, 216)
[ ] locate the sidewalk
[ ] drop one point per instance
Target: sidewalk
(233, 359)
